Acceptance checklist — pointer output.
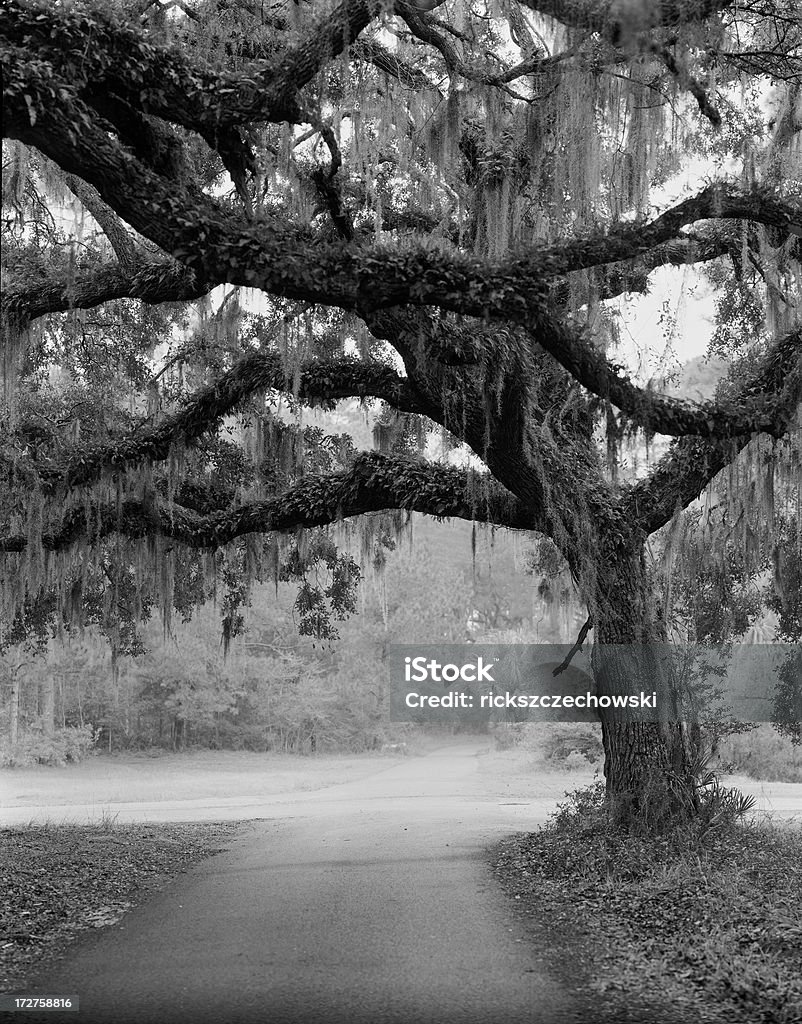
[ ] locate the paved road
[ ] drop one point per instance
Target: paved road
(366, 903)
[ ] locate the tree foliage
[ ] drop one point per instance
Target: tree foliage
(431, 205)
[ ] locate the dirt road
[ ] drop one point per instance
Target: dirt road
(366, 902)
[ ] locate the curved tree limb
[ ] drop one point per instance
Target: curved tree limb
(372, 52)
(422, 26)
(281, 259)
(131, 63)
(422, 29)
(654, 412)
(167, 281)
(319, 383)
(159, 79)
(631, 241)
(151, 281)
(633, 275)
(691, 463)
(373, 484)
(121, 242)
(687, 81)
(278, 257)
(273, 254)
(511, 441)
(466, 344)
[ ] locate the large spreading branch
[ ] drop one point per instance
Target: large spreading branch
(423, 27)
(691, 463)
(631, 241)
(282, 259)
(374, 483)
(318, 383)
(762, 412)
(161, 81)
(633, 275)
(272, 254)
(277, 256)
(152, 281)
(552, 466)
(471, 343)
(113, 228)
(372, 52)
(178, 221)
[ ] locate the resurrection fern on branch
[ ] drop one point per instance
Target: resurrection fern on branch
(220, 219)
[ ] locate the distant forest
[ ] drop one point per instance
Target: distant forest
(180, 684)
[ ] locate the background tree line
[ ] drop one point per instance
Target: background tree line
(269, 687)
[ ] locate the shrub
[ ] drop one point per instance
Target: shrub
(763, 754)
(506, 737)
(576, 762)
(704, 918)
(68, 745)
(562, 739)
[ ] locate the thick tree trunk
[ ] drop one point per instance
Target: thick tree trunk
(646, 757)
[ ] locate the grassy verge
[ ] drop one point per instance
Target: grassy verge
(662, 929)
(61, 880)
(154, 775)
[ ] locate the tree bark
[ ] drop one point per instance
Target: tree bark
(647, 763)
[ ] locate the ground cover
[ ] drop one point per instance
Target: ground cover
(151, 776)
(61, 880)
(698, 925)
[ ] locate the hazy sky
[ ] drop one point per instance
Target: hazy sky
(678, 294)
(647, 345)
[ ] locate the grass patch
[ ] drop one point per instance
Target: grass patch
(61, 880)
(145, 777)
(664, 929)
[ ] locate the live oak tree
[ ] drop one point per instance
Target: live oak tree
(430, 204)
